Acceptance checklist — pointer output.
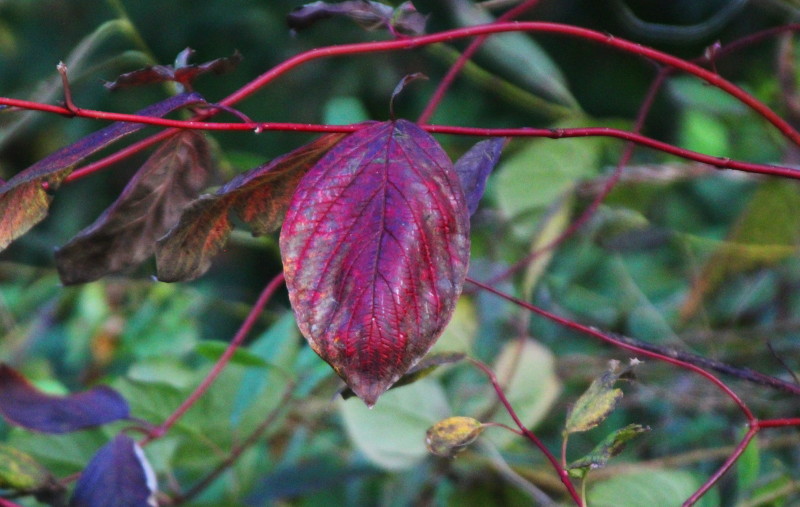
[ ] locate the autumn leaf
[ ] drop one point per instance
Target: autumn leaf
(118, 474)
(259, 197)
(21, 404)
(375, 248)
(452, 435)
(126, 233)
(182, 72)
(474, 167)
(25, 198)
(368, 14)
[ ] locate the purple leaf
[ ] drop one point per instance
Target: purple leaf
(21, 404)
(375, 248)
(474, 167)
(369, 15)
(126, 233)
(259, 197)
(24, 200)
(117, 475)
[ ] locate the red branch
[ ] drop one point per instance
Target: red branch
(562, 473)
(237, 340)
(445, 36)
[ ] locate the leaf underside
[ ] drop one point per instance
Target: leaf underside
(259, 197)
(375, 248)
(126, 233)
(24, 200)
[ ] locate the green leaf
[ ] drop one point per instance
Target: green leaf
(452, 435)
(540, 172)
(213, 350)
(552, 225)
(748, 467)
(459, 334)
(392, 433)
(526, 370)
(648, 488)
(597, 402)
(518, 56)
(20, 472)
(612, 445)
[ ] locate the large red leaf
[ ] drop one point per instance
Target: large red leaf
(375, 248)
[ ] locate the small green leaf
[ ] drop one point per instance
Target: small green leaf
(648, 488)
(452, 435)
(612, 445)
(213, 349)
(597, 402)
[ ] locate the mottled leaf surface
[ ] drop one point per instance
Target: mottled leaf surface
(597, 402)
(21, 404)
(118, 475)
(126, 233)
(21, 473)
(474, 167)
(24, 200)
(452, 435)
(375, 248)
(259, 197)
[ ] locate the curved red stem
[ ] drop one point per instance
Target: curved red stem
(221, 363)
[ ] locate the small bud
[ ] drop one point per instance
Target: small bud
(450, 436)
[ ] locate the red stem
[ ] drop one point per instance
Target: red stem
(641, 117)
(724, 468)
(751, 419)
(414, 42)
(562, 474)
(778, 423)
(221, 363)
(462, 60)
(8, 503)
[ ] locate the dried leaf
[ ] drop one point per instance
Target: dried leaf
(375, 249)
(369, 15)
(599, 400)
(259, 197)
(25, 198)
(452, 435)
(474, 167)
(118, 475)
(126, 233)
(181, 72)
(21, 404)
(612, 445)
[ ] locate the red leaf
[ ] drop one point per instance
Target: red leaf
(260, 198)
(118, 475)
(24, 200)
(23, 405)
(368, 14)
(375, 248)
(126, 233)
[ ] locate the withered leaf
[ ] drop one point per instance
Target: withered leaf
(375, 249)
(368, 14)
(181, 72)
(259, 197)
(126, 233)
(474, 167)
(26, 197)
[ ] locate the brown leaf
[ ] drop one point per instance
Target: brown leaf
(25, 198)
(126, 233)
(259, 197)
